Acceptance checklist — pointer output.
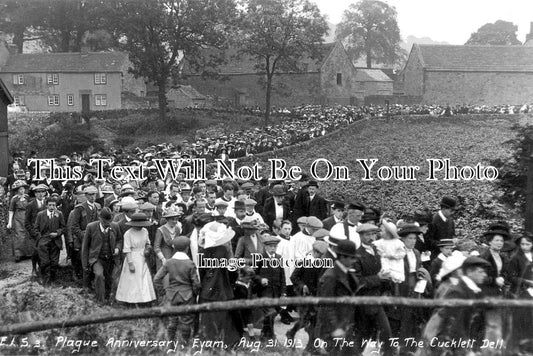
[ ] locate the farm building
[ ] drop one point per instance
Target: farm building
(81, 81)
(484, 75)
(185, 96)
(333, 79)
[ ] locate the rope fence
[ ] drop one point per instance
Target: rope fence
(145, 313)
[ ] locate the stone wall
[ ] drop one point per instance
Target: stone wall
(413, 75)
(336, 63)
(478, 88)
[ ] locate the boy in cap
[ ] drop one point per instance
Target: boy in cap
(272, 279)
(446, 247)
(348, 228)
(305, 281)
(183, 287)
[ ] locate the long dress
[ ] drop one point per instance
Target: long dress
(22, 243)
(136, 287)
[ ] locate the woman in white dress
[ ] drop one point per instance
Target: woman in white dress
(135, 284)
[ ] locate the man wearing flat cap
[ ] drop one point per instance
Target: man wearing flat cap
(82, 215)
(349, 226)
(443, 225)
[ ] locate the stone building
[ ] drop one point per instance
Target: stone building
(331, 80)
(479, 75)
(82, 81)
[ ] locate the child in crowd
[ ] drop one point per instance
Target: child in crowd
(392, 251)
(183, 287)
(244, 289)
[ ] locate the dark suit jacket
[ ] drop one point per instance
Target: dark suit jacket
(335, 283)
(276, 279)
(329, 222)
(31, 215)
(318, 207)
(438, 230)
(269, 211)
(92, 242)
(260, 197)
(183, 280)
(44, 226)
(367, 267)
(408, 284)
(245, 247)
(520, 269)
(81, 216)
(490, 288)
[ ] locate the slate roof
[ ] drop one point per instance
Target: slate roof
(188, 91)
(475, 58)
(66, 62)
(371, 75)
(242, 64)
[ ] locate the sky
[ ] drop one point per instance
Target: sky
(449, 21)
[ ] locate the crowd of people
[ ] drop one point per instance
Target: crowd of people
(140, 245)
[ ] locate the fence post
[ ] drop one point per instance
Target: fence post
(529, 191)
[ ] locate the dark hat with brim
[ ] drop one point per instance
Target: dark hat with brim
(489, 235)
(448, 203)
(409, 229)
(139, 220)
(346, 248)
(338, 205)
(355, 205)
(445, 242)
(278, 190)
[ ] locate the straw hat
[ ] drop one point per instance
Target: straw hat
(215, 234)
(18, 184)
(172, 211)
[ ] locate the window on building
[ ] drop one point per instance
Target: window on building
(52, 78)
(70, 99)
(18, 79)
(100, 78)
(19, 100)
(53, 100)
(100, 100)
(339, 78)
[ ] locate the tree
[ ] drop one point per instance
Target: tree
(158, 33)
(278, 33)
(370, 28)
(500, 33)
(20, 18)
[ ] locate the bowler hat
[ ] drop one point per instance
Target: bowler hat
(370, 214)
(346, 248)
(423, 218)
(312, 183)
(278, 190)
(338, 205)
(448, 203)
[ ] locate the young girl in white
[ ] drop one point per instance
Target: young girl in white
(392, 251)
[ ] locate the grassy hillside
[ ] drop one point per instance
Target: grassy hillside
(410, 141)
